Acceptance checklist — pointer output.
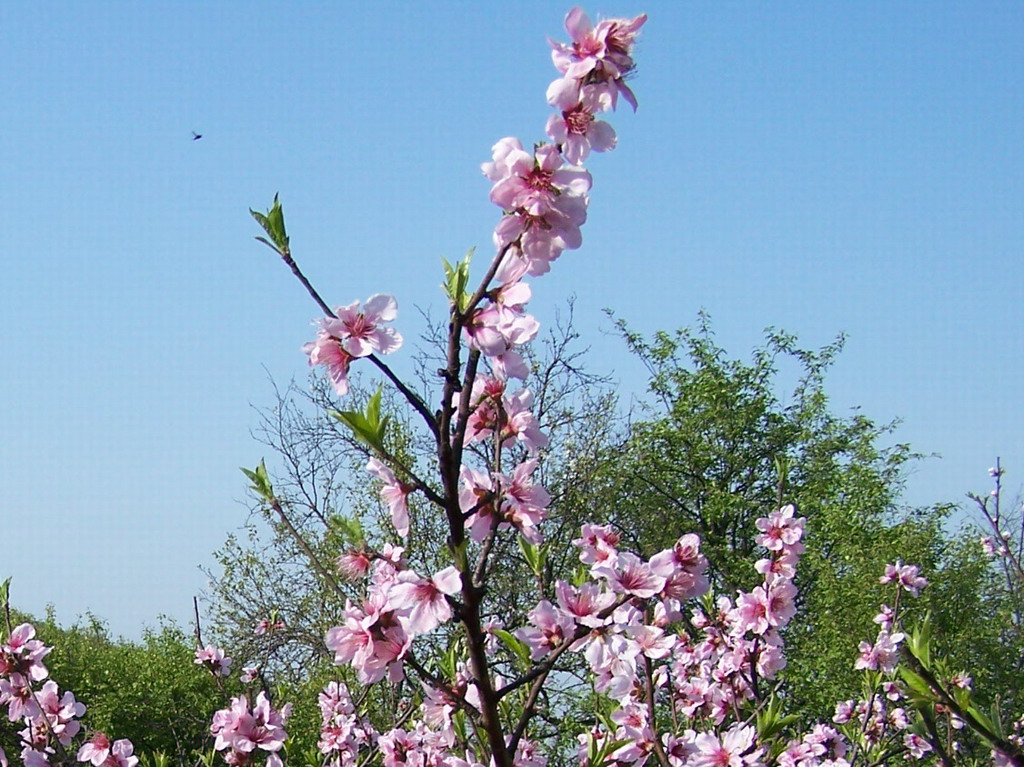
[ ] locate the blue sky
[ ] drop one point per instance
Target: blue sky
(819, 167)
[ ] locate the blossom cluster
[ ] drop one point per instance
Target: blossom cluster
(213, 658)
(353, 333)
(342, 730)
(704, 677)
(376, 634)
(240, 731)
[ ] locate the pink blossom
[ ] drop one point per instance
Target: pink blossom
(213, 658)
(353, 639)
(477, 500)
(354, 563)
(524, 504)
(734, 749)
(16, 691)
(522, 424)
(916, 745)
(424, 601)
(606, 48)
(398, 747)
(906, 575)
(961, 679)
(362, 333)
(99, 751)
(326, 350)
(95, 750)
(23, 654)
(264, 729)
(585, 603)
(534, 183)
(394, 493)
(683, 567)
(249, 674)
(502, 324)
(576, 130)
(844, 710)
(634, 728)
(599, 54)
(267, 626)
(751, 613)
(121, 754)
(597, 544)
(542, 238)
(508, 365)
(882, 655)
(243, 731)
(780, 530)
(651, 640)
(551, 627)
(61, 711)
(770, 660)
(511, 416)
(31, 757)
(628, 574)
(885, 617)
(781, 565)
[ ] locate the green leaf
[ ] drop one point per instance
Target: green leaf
(991, 732)
(460, 554)
(514, 644)
(580, 576)
(921, 641)
(535, 555)
(449, 662)
(608, 748)
(459, 724)
(358, 425)
(367, 427)
(456, 279)
(349, 529)
(260, 482)
(273, 224)
(921, 689)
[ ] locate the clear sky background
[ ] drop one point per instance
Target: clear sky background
(820, 167)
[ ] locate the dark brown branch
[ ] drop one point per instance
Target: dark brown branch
(652, 719)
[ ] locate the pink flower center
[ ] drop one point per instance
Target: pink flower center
(588, 46)
(540, 180)
(578, 120)
(360, 326)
